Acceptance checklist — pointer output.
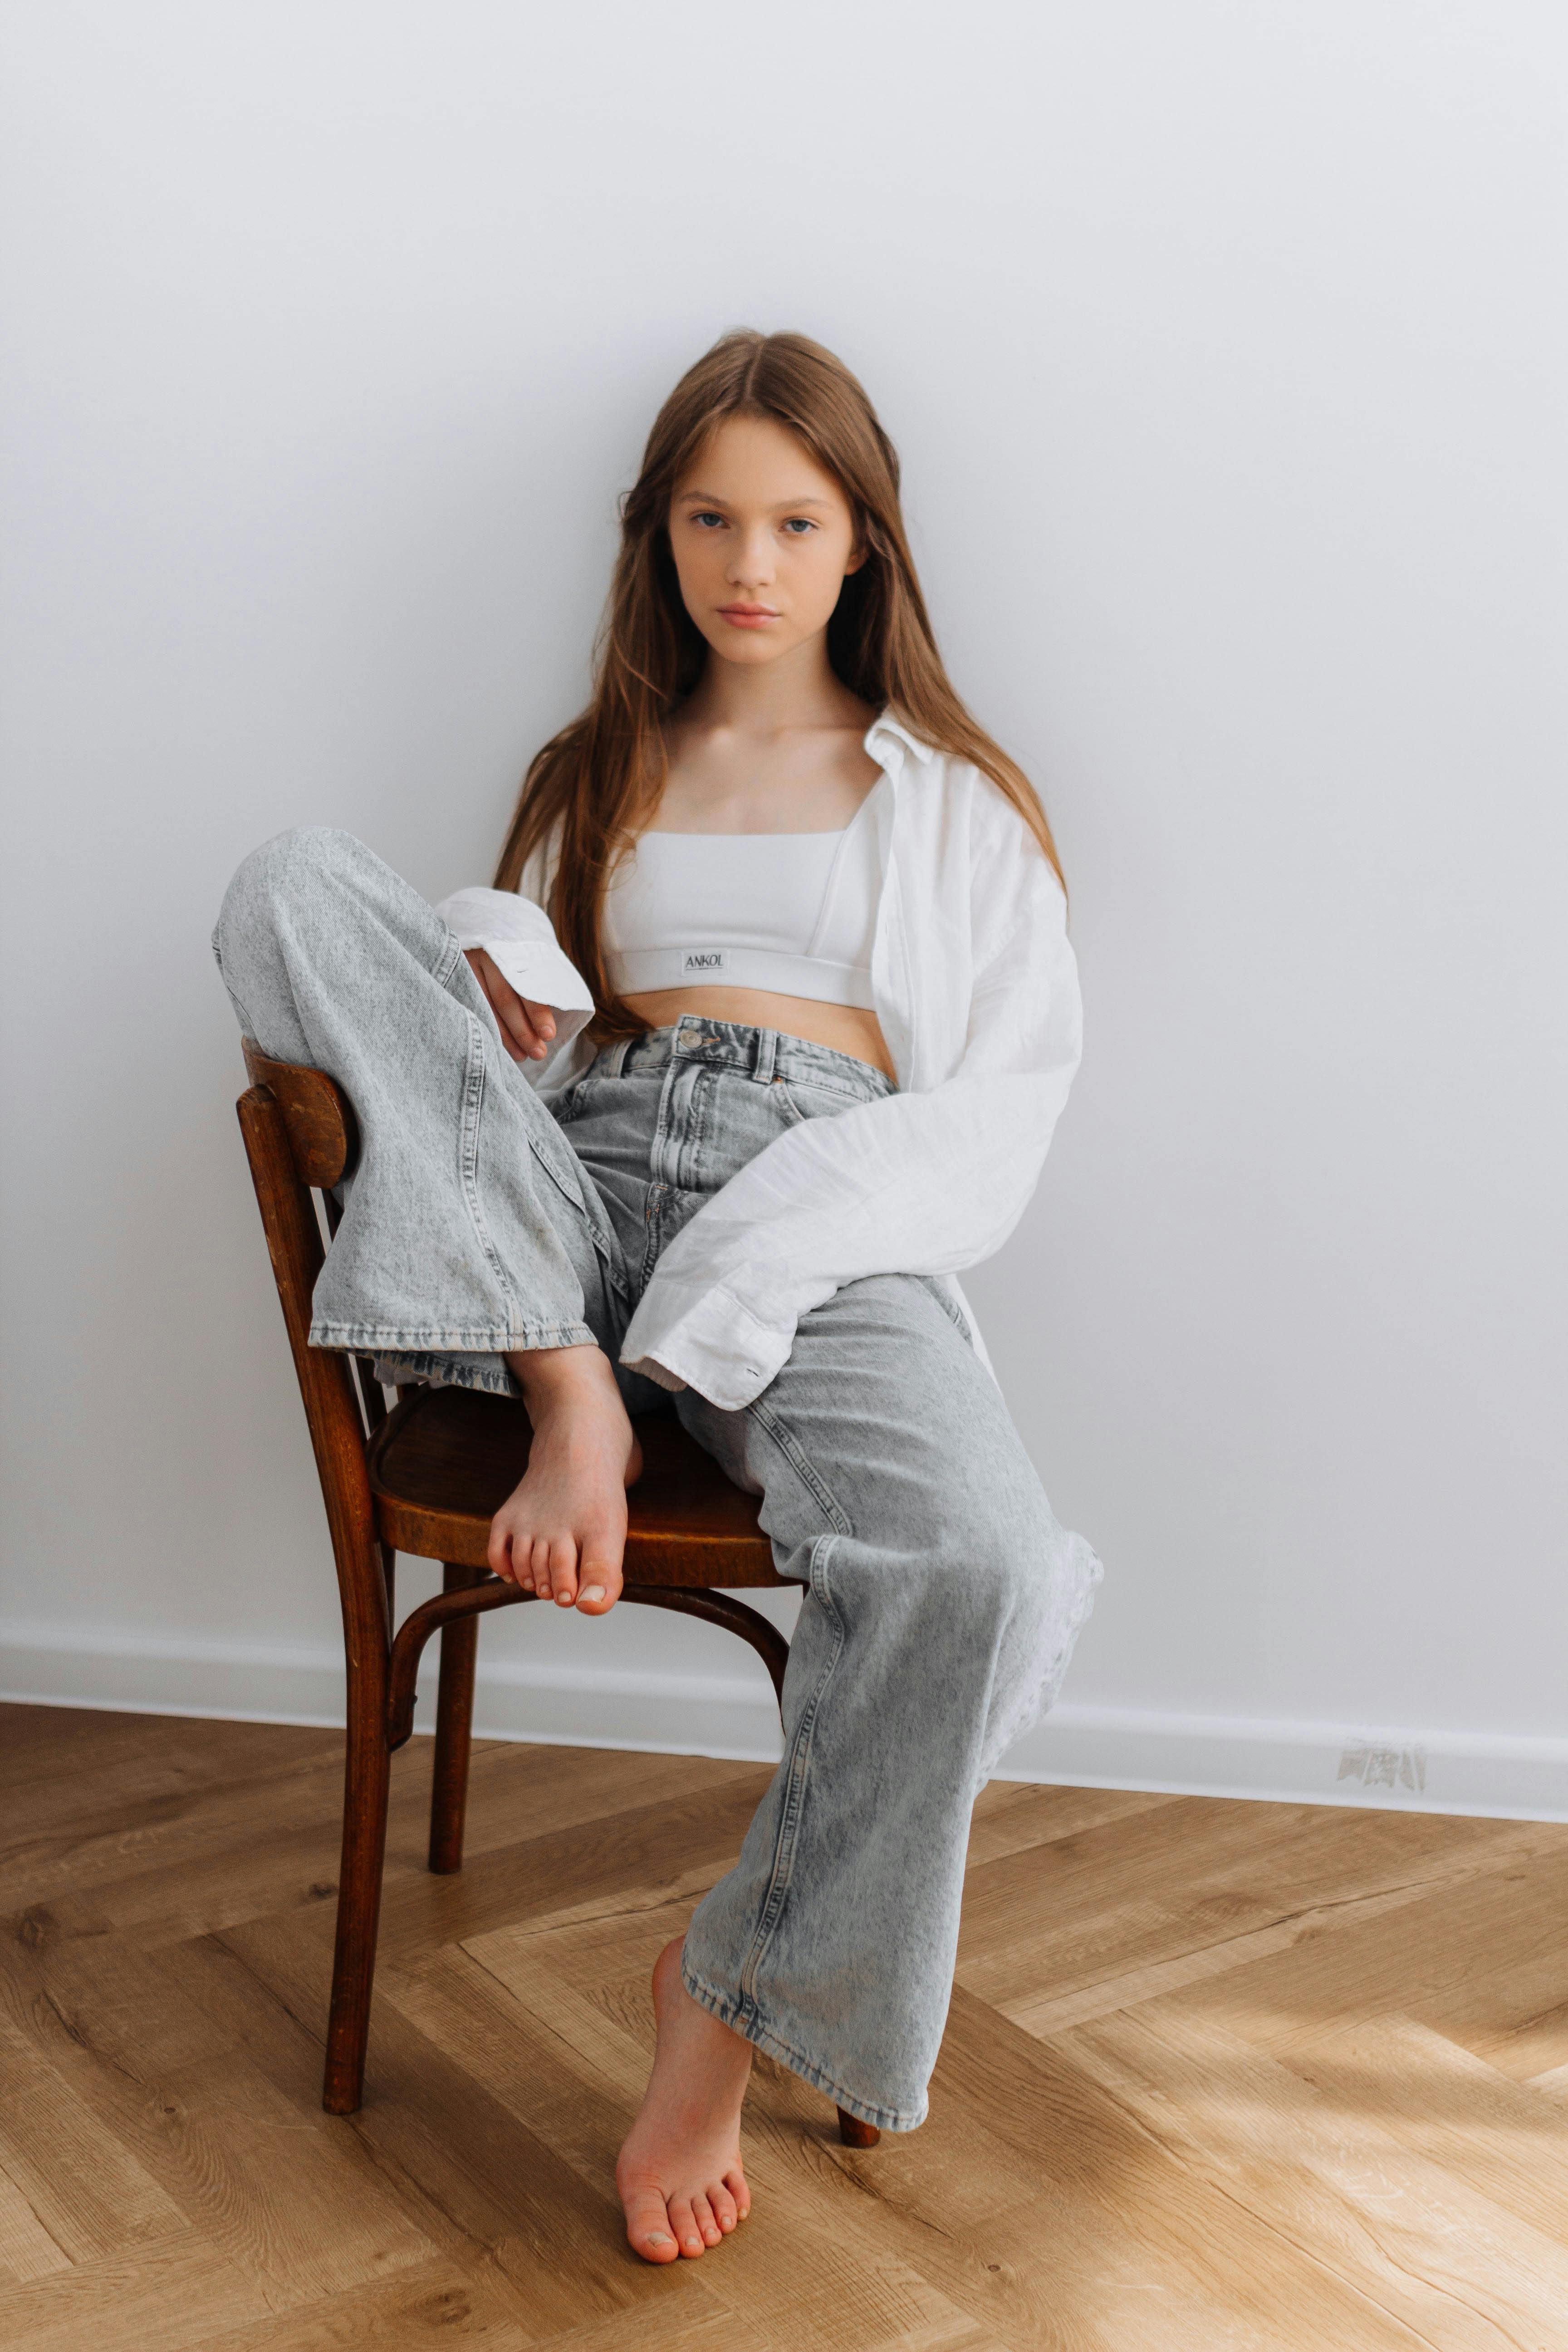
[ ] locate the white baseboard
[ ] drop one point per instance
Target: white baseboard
(1431, 1771)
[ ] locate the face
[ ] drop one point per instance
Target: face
(762, 539)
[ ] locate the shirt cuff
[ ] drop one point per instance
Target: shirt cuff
(706, 1340)
(519, 940)
(538, 970)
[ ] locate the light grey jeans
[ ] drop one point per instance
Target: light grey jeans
(940, 1600)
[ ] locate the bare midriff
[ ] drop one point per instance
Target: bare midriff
(846, 1028)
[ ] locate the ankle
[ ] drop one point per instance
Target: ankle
(564, 1379)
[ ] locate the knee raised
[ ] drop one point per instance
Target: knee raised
(994, 1540)
(286, 875)
(292, 861)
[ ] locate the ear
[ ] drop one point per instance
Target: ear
(861, 552)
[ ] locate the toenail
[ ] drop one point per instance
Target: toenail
(563, 1601)
(656, 2238)
(593, 1593)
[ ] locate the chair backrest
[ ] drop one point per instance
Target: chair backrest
(301, 1135)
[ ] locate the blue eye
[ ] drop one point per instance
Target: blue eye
(702, 520)
(799, 523)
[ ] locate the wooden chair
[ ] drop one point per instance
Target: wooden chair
(426, 1477)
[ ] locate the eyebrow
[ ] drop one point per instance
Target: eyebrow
(707, 499)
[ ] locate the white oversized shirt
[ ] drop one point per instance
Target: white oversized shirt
(975, 987)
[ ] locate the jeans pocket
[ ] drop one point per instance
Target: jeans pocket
(804, 1099)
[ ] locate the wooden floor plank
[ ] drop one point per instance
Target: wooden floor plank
(83, 2181)
(180, 2124)
(639, 1852)
(1502, 2137)
(1217, 2077)
(1142, 1891)
(437, 2303)
(168, 2297)
(27, 2250)
(1016, 1816)
(1411, 2233)
(1447, 1956)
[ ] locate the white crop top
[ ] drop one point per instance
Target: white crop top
(794, 913)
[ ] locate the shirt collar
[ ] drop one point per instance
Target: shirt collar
(888, 736)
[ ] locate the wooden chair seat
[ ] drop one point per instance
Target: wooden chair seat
(445, 1460)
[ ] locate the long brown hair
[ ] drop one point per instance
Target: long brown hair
(602, 775)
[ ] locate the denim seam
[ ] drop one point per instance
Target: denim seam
(577, 1200)
(822, 1086)
(468, 1154)
(794, 1454)
(766, 2038)
(653, 1224)
(703, 1091)
(246, 1025)
(658, 1148)
(950, 1308)
(794, 1798)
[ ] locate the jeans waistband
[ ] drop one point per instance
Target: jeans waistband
(762, 1054)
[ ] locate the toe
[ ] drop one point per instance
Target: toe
(563, 1571)
(703, 2215)
(600, 1584)
(735, 2182)
(683, 2222)
(539, 1555)
(648, 2229)
(721, 2205)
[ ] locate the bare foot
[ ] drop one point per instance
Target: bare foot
(680, 2172)
(561, 1533)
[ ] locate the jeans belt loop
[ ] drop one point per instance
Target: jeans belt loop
(616, 1059)
(767, 1048)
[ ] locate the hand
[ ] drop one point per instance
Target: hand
(527, 1030)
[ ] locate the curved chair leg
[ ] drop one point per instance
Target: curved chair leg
(855, 2134)
(365, 1789)
(454, 1727)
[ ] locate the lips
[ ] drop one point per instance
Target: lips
(747, 616)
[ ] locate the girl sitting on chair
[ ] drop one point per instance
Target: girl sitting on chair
(759, 1039)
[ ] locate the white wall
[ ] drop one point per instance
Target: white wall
(1223, 346)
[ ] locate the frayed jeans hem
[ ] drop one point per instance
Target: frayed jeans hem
(755, 2030)
(382, 1340)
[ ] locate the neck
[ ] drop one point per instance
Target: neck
(798, 689)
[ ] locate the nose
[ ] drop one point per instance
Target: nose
(751, 561)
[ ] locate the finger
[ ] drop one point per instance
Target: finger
(542, 1017)
(516, 1031)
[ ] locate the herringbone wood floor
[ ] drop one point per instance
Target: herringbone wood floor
(1217, 2075)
